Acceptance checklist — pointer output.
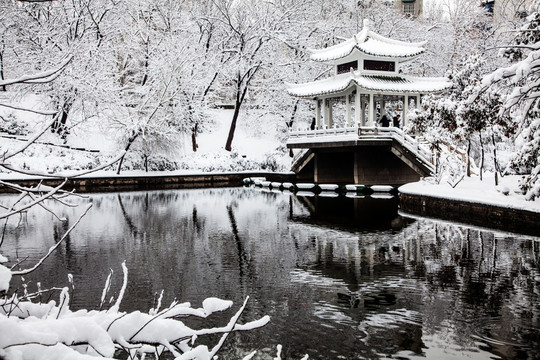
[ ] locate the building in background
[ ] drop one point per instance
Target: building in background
(508, 9)
(410, 7)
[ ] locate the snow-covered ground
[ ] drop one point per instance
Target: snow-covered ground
(256, 144)
(506, 194)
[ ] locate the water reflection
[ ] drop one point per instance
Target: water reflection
(340, 276)
(368, 213)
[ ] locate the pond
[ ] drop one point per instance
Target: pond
(342, 277)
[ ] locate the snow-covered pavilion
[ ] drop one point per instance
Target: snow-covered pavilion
(367, 75)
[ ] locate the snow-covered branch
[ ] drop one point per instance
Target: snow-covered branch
(54, 247)
(40, 112)
(29, 142)
(30, 329)
(41, 77)
(66, 175)
(52, 192)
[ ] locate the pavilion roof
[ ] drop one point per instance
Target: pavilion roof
(371, 83)
(370, 43)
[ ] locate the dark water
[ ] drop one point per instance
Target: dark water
(341, 278)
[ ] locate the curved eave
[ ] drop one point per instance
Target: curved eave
(396, 42)
(358, 54)
(373, 84)
(402, 84)
(324, 87)
(372, 44)
(331, 58)
(399, 57)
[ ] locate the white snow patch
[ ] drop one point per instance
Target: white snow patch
(382, 188)
(211, 305)
(5, 278)
(328, 187)
(476, 191)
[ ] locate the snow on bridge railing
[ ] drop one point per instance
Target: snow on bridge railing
(307, 133)
(365, 132)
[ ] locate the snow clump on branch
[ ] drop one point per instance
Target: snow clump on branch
(47, 330)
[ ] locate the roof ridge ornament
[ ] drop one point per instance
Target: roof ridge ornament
(366, 23)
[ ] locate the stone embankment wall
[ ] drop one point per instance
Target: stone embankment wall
(120, 183)
(489, 216)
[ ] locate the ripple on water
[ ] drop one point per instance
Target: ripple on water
(507, 339)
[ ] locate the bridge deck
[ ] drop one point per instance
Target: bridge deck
(362, 142)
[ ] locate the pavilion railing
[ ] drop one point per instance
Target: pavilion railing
(421, 150)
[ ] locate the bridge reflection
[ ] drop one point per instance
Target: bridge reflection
(372, 212)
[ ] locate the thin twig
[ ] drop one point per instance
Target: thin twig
(52, 248)
(33, 203)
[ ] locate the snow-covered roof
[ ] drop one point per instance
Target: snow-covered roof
(375, 83)
(370, 43)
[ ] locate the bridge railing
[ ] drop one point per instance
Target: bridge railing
(351, 130)
(421, 150)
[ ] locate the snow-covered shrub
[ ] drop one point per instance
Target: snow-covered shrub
(527, 159)
(10, 124)
(34, 330)
(463, 126)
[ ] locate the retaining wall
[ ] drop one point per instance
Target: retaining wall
(485, 215)
(122, 183)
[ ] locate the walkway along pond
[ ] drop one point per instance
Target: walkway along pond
(340, 276)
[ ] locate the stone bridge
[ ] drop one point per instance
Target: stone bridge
(359, 155)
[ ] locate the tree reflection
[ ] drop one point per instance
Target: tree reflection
(340, 277)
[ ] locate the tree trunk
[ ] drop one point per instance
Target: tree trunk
(469, 158)
(496, 167)
(145, 156)
(437, 156)
(194, 137)
(242, 85)
(228, 145)
(291, 122)
(59, 126)
(131, 140)
(482, 157)
(3, 87)
(240, 95)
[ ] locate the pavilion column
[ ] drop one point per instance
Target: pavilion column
(318, 113)
(348, 110)
(405, 111)
(358, 109)
(371, 111)
(364, 105)
(330, 114)
(326, 113)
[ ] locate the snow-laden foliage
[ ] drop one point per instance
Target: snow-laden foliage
(147, 72)
(455, 126)
(520, 86)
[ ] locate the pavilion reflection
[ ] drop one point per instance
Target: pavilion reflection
(406, 289)
(351, 212)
